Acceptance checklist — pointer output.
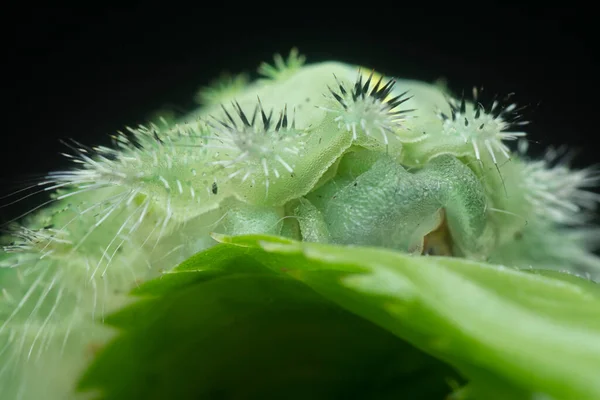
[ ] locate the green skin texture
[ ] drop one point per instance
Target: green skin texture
(357, 211)
(342, 190)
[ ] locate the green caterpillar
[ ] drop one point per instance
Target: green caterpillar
(325, 152)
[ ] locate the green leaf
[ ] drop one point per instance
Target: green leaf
(266, 317)
(224, 326)
(535, 332)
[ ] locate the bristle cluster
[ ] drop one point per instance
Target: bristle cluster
(133, 149)
(223, 89)
(29, 240)
(485, 127)
(557, 192)
(281, 68)
(255, 147)
(367, 107)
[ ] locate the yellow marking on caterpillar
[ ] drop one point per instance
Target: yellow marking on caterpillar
(367, 73)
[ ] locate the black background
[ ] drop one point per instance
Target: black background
(84, 72)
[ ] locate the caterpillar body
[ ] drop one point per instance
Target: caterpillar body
(325, 152)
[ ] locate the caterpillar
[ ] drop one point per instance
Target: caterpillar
(325, 152)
